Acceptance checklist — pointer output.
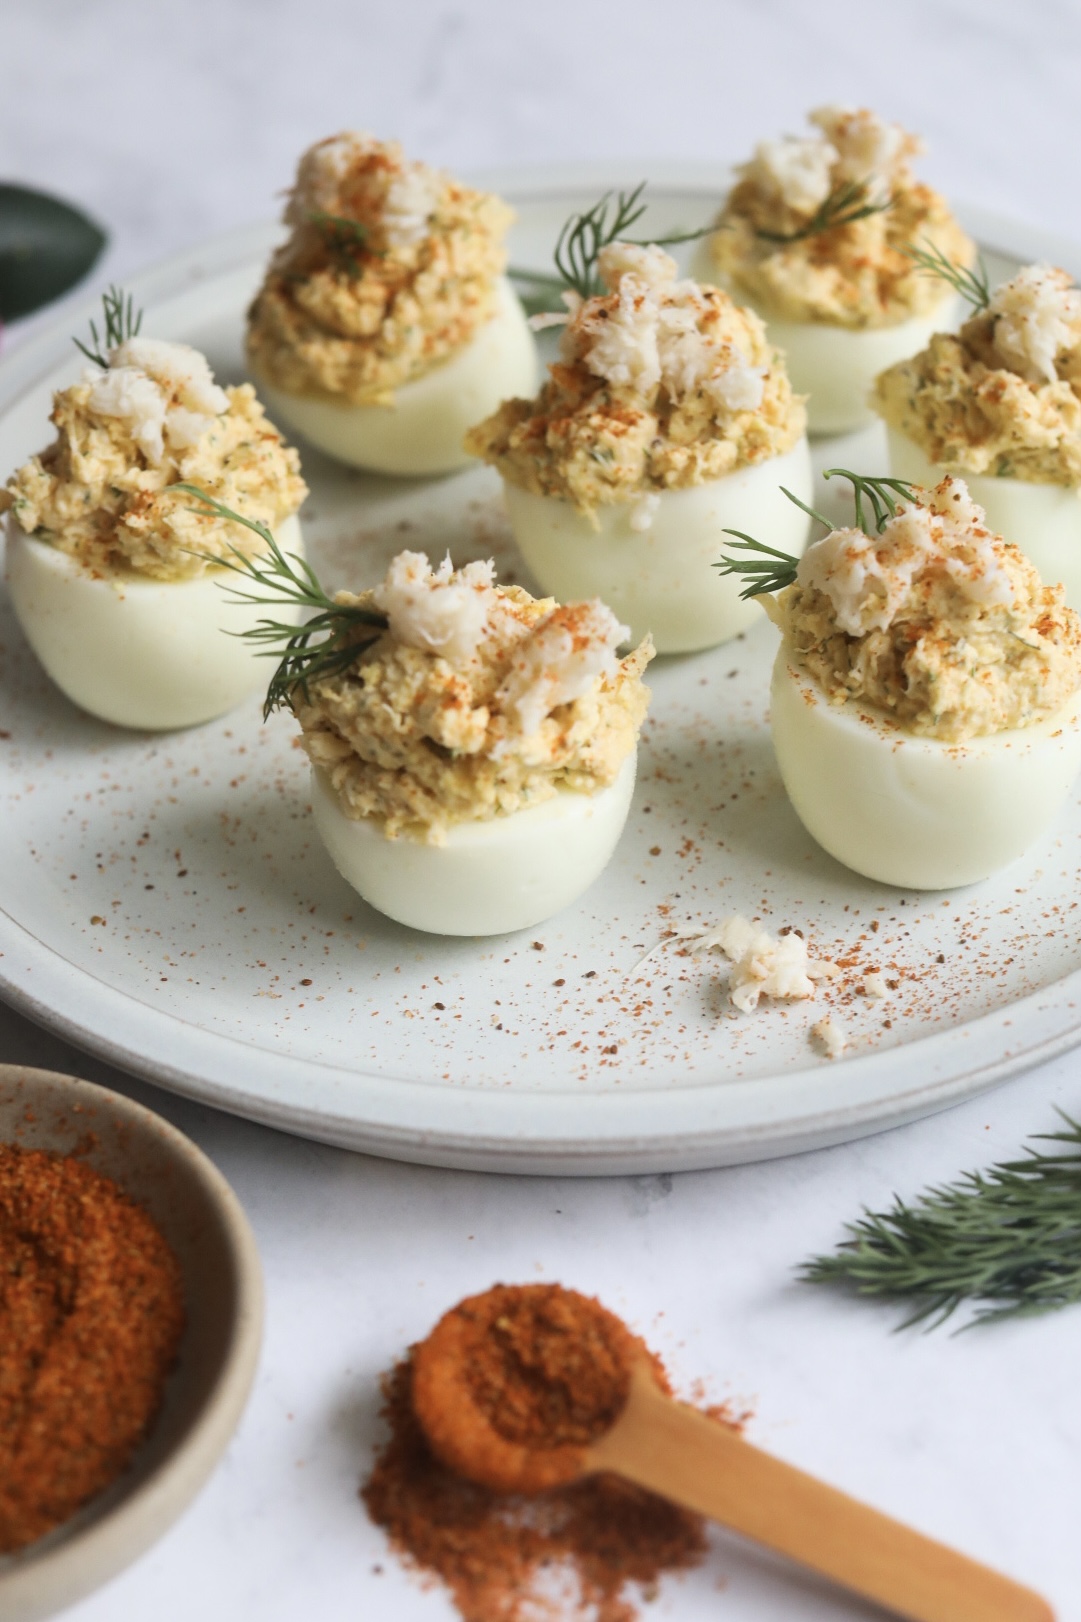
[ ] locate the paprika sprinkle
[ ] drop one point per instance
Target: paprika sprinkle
(548, 1372)
(91, 1314)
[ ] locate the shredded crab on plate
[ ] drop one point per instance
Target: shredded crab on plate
(761, 966)
(830, 1035)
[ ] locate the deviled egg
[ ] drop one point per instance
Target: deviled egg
(385, 327)
(473, 748)
(1000, 403)
(115, 577)
(926, 699)
(668, 419)
(813, 237)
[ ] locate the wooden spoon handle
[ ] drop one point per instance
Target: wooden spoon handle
(695, 1462)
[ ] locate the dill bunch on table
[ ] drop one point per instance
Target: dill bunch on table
(1006, 1241)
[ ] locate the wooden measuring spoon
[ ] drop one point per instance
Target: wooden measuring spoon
(680, 1454)
(651, 1439)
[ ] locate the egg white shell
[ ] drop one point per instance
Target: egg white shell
(151, 654)
(489, 878)
(422, 431)
(836, 366)
(916, 812)
(662, 579)
(1044, 520)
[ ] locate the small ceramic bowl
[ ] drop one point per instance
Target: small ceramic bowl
(204, 1223)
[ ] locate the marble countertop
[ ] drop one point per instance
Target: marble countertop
(170, 133)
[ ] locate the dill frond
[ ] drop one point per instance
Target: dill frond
(881, 494)
(582, 238)
(1006, 1241)
(973, 285)
(344, 238)
(846, 203)
(121, 320)
(766, 569)
(325, 645)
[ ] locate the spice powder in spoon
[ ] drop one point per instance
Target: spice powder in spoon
(548, 1371)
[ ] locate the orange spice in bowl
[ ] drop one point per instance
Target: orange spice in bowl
(91, 1314)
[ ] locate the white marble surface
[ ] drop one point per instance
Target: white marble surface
(174, 125)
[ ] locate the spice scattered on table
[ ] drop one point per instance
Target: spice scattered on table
(549, 1370)
(91, 1314)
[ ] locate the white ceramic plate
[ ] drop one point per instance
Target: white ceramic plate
(164, 901)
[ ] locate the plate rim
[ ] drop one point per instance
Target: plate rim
(615, 1133)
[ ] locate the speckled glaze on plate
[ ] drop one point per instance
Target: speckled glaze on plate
(205, 1395)
(166, 903)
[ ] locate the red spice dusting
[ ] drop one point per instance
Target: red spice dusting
(91, 1314)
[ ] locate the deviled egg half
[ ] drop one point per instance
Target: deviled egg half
(385, 327)
(115, 576)
(473, 748)
(813, 237)
(926, 698)
(1000, 403)
(667, 419)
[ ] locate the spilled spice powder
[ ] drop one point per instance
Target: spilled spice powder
(572, 1552)
(91, 1314)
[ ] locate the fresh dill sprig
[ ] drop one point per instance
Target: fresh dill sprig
(849, 201)
(766, 569)
(1006, 1240)
(973, 285)
(582, 237)
(122, 321)
(883, 495)
(325, 645)
(343, 238)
